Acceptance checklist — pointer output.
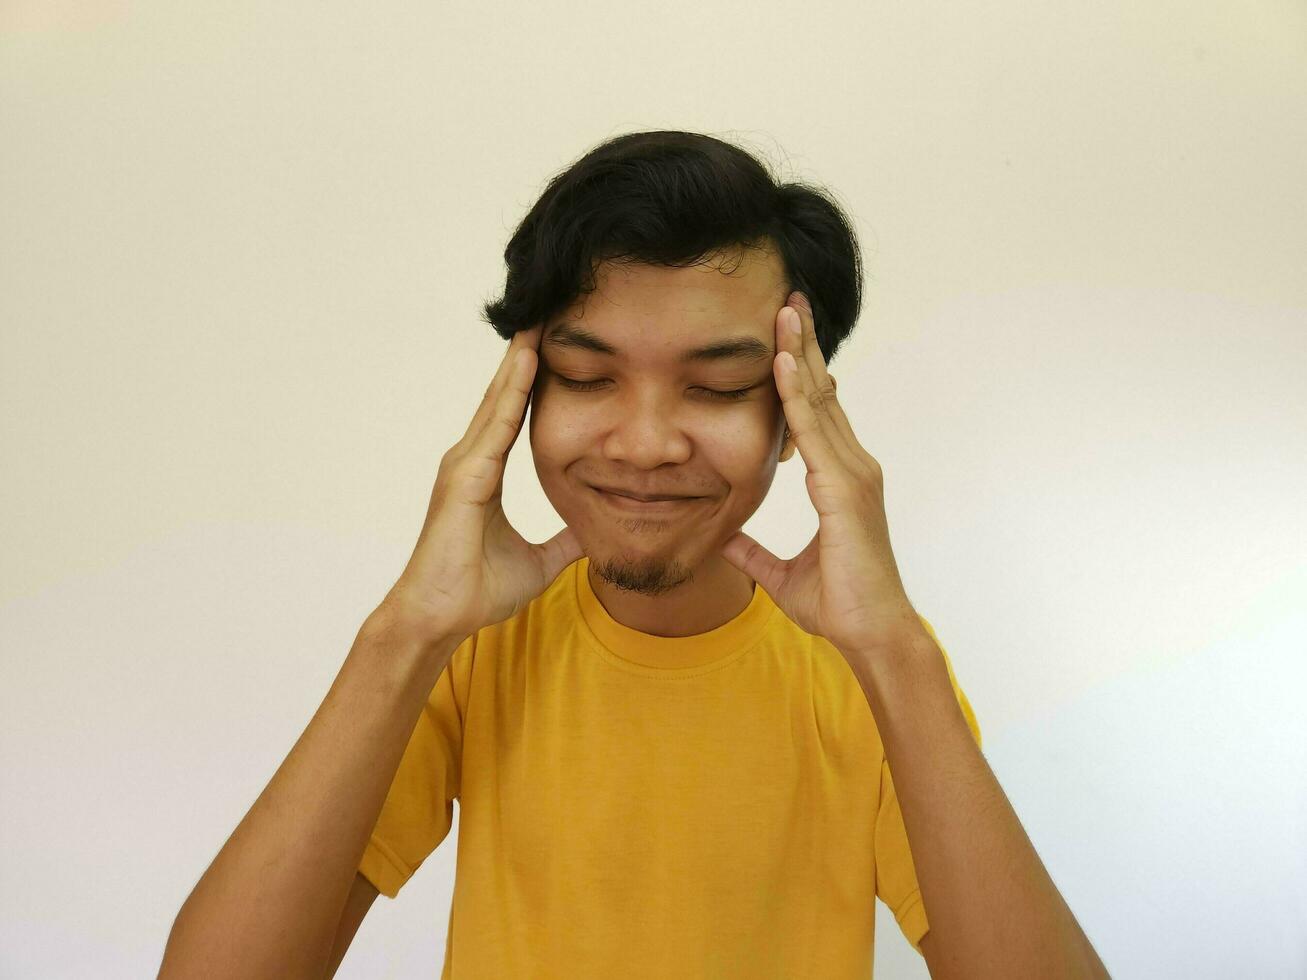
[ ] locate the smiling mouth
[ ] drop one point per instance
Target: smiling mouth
(632, 503)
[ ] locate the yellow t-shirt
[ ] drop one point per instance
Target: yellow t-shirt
(638, 806)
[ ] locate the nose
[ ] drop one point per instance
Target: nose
(646, 436)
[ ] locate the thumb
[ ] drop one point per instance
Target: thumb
(755, 561)
(557, 553)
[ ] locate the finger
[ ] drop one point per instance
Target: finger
(557, 553)
(520, 340)
(816, 363)
(818, 454)
(755, 561)
(504, 422)
(483, 463)
(789, 342)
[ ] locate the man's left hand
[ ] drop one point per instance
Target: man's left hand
(845, 584)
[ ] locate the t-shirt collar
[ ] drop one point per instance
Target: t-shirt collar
(668, 652)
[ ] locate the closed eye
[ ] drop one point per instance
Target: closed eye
(732, 394)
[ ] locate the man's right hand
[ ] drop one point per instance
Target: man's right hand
(470, 568)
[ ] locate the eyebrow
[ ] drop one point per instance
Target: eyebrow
(743, 348)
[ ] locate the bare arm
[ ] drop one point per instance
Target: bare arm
(361, 897)
(992, 907)
(284, 887)
(270, 902)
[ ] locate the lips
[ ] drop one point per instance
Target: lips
(643, 497)
(667, 507)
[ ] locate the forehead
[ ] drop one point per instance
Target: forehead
(651, 311)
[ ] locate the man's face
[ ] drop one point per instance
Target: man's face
(652, 422)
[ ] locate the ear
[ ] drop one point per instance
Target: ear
(788, 445)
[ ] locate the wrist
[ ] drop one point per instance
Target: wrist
(414, 642)
(892, 650)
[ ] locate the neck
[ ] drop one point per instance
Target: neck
(715, 594)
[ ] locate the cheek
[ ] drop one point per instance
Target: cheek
(743, 453)
(556, 443)
(740, 442)
(556, 435)
(748, 464)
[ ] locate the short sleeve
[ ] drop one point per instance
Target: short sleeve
(419, 806)
(896, 876)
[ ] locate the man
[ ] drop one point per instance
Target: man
(672, 750)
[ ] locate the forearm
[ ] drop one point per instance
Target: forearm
(993, 909)
(269, 903)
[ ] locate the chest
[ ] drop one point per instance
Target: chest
(616, 781)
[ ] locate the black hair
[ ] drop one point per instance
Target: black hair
(676, 199)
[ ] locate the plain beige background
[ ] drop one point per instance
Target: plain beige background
(242, 247)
